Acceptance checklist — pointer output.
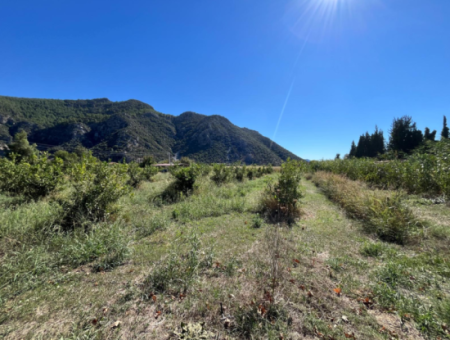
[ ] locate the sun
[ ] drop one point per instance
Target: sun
(312, 20)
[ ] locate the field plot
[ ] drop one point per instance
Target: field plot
(209, 266)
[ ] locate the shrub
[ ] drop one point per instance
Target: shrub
(147, 161)
(280, 200)
(257, 221)
(239, 172)
(186, 161)
(268, 169)
(205, 169)
(372, 249)
(135, 174)
(186, 178)
(97, 185)
(20, 148)
(35, 179)
(421, 173)
(221, 174)
(148, 172)
(259, 172)
(250, 174)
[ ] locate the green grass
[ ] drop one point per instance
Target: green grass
(207, 264)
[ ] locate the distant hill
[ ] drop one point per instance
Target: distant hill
(132, 129)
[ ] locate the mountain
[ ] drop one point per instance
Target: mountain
(132, 129)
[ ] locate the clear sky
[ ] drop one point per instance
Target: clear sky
(336, 67)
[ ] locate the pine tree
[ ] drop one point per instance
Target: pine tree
(404, 135)
(429, 135)
(377, 143)
(445, 129)
(361, 147)
(353, 150)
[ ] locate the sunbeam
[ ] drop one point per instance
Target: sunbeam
(311, 20)
(282, 111)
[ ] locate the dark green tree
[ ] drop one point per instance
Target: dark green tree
(353, 150)
(429, 135)
(404, 135)
(377, 144)
(445, 129)
(338, 156)
(361, 148)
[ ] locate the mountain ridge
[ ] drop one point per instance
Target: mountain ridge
(130, 129)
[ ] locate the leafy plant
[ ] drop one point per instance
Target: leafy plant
(239, 172)
(257, 221)
(221, 174)
(97, 186)
(281, 199)
(34, 179)
(372, 249)
(186, 177)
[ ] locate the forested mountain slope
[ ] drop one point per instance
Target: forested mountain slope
(132, 129)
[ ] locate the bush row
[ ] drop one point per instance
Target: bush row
(382, 213)
(421, 173)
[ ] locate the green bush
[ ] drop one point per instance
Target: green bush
(239, 172)
(250, 173)
(371, 249)
(221, 174)
(149, 172)
(20, 149)
(205, 169)
(186, 177)
(280, 201)
(257, 221)
(135, 174)
(97, 186)
(147, 161)
(421, 173)
(34, 179)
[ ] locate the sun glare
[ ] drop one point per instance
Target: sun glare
(312, 20)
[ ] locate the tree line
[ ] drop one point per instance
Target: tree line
(404, 137)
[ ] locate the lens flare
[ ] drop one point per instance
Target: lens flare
(312, 20)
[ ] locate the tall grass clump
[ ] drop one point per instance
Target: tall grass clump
(382, 212)
(214, 202)
(280, 201)
(34, 248)
(178, 271)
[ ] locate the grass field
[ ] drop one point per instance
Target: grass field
(209, 267)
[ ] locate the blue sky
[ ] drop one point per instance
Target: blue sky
(348, 64)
